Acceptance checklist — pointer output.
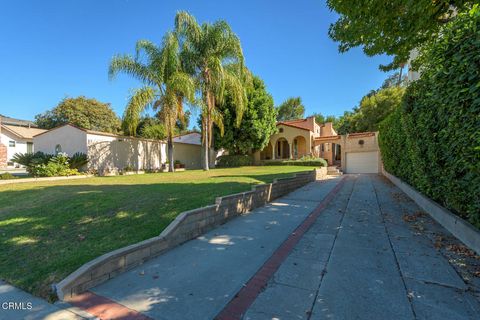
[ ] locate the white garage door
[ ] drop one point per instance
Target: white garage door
(362, 162)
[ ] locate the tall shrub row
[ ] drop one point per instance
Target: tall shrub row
(433, 141)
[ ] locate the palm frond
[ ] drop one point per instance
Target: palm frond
(128, 65)
(140, 100)
(169, 57)
(217, 118)
(186, 25)
(235, 87)
(183, 85)
(148, 47)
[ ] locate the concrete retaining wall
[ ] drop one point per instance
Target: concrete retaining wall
(460, 228)
(188, 225)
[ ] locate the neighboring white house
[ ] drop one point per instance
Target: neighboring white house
(16, 136)
(105, 151)
(188, 150)
(412, 74)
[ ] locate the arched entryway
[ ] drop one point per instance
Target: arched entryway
(282, 149)
(267, 152)
(299, 147)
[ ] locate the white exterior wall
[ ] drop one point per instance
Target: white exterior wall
(20, 144)
(71, 139)
(107, 152)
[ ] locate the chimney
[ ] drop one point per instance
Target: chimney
(311, 123)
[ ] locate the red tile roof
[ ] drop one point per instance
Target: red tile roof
(299, 123)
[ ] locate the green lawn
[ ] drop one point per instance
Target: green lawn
(49, 229)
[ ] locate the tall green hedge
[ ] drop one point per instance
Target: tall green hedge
(433, 141)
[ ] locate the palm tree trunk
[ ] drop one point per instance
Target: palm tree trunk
(400, 76)
(205, 147)
(171, 165)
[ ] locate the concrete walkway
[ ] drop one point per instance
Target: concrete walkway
(334, 249)
(18, 304)
(196, 280)
(361, 260)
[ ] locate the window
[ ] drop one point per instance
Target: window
(280, 130)
(11, 143)
(58, 149)
(29, 147)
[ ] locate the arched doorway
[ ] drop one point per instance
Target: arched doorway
(299, 147)
(282, 149)
(267, 152)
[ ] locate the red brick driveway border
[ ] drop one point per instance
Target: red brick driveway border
(104, 308)
(237, 307)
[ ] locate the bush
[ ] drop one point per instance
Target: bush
(57, 166)
(230, 161)
(7, 176)
(315, 162)
(433, 141)
(78, 160)
(33, 161)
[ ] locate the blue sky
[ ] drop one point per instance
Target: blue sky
(53, 49)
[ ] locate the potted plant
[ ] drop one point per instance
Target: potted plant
(178, 165)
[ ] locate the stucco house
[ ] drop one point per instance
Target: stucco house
(16, 136)
(188, 150)
(111, 152)
(353, 153)
(105, 151)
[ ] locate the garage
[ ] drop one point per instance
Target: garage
(362, 162)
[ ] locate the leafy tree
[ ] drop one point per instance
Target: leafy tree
(82, 112)
(165, 89)
(151, 128)
(213, 55)
(393, 27)
(320, 118)
(395, 80)
(257, 125)
(373, 108)
(182, 124)
(291, 109)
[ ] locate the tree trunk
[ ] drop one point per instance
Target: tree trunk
(400, 77)
(205, 147)
(171, 165)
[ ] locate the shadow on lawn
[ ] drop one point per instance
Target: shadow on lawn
(48, 232)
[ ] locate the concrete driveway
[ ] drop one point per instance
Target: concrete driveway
(370, 255)
(345, 248)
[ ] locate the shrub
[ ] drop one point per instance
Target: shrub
(316, 162)
(33, 160)
(7, 176)
(230, 161)
(433, 141)
(57, 166)
(78, 160)
(30, 160)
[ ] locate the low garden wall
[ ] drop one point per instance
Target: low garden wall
(460, 228)
(186, 226)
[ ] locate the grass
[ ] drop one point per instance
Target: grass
(49, 229)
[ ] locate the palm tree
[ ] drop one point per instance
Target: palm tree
(166, 86)
(212, 54)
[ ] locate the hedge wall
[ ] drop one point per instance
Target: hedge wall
(230, 161)
(433, 141)
(309, 163)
